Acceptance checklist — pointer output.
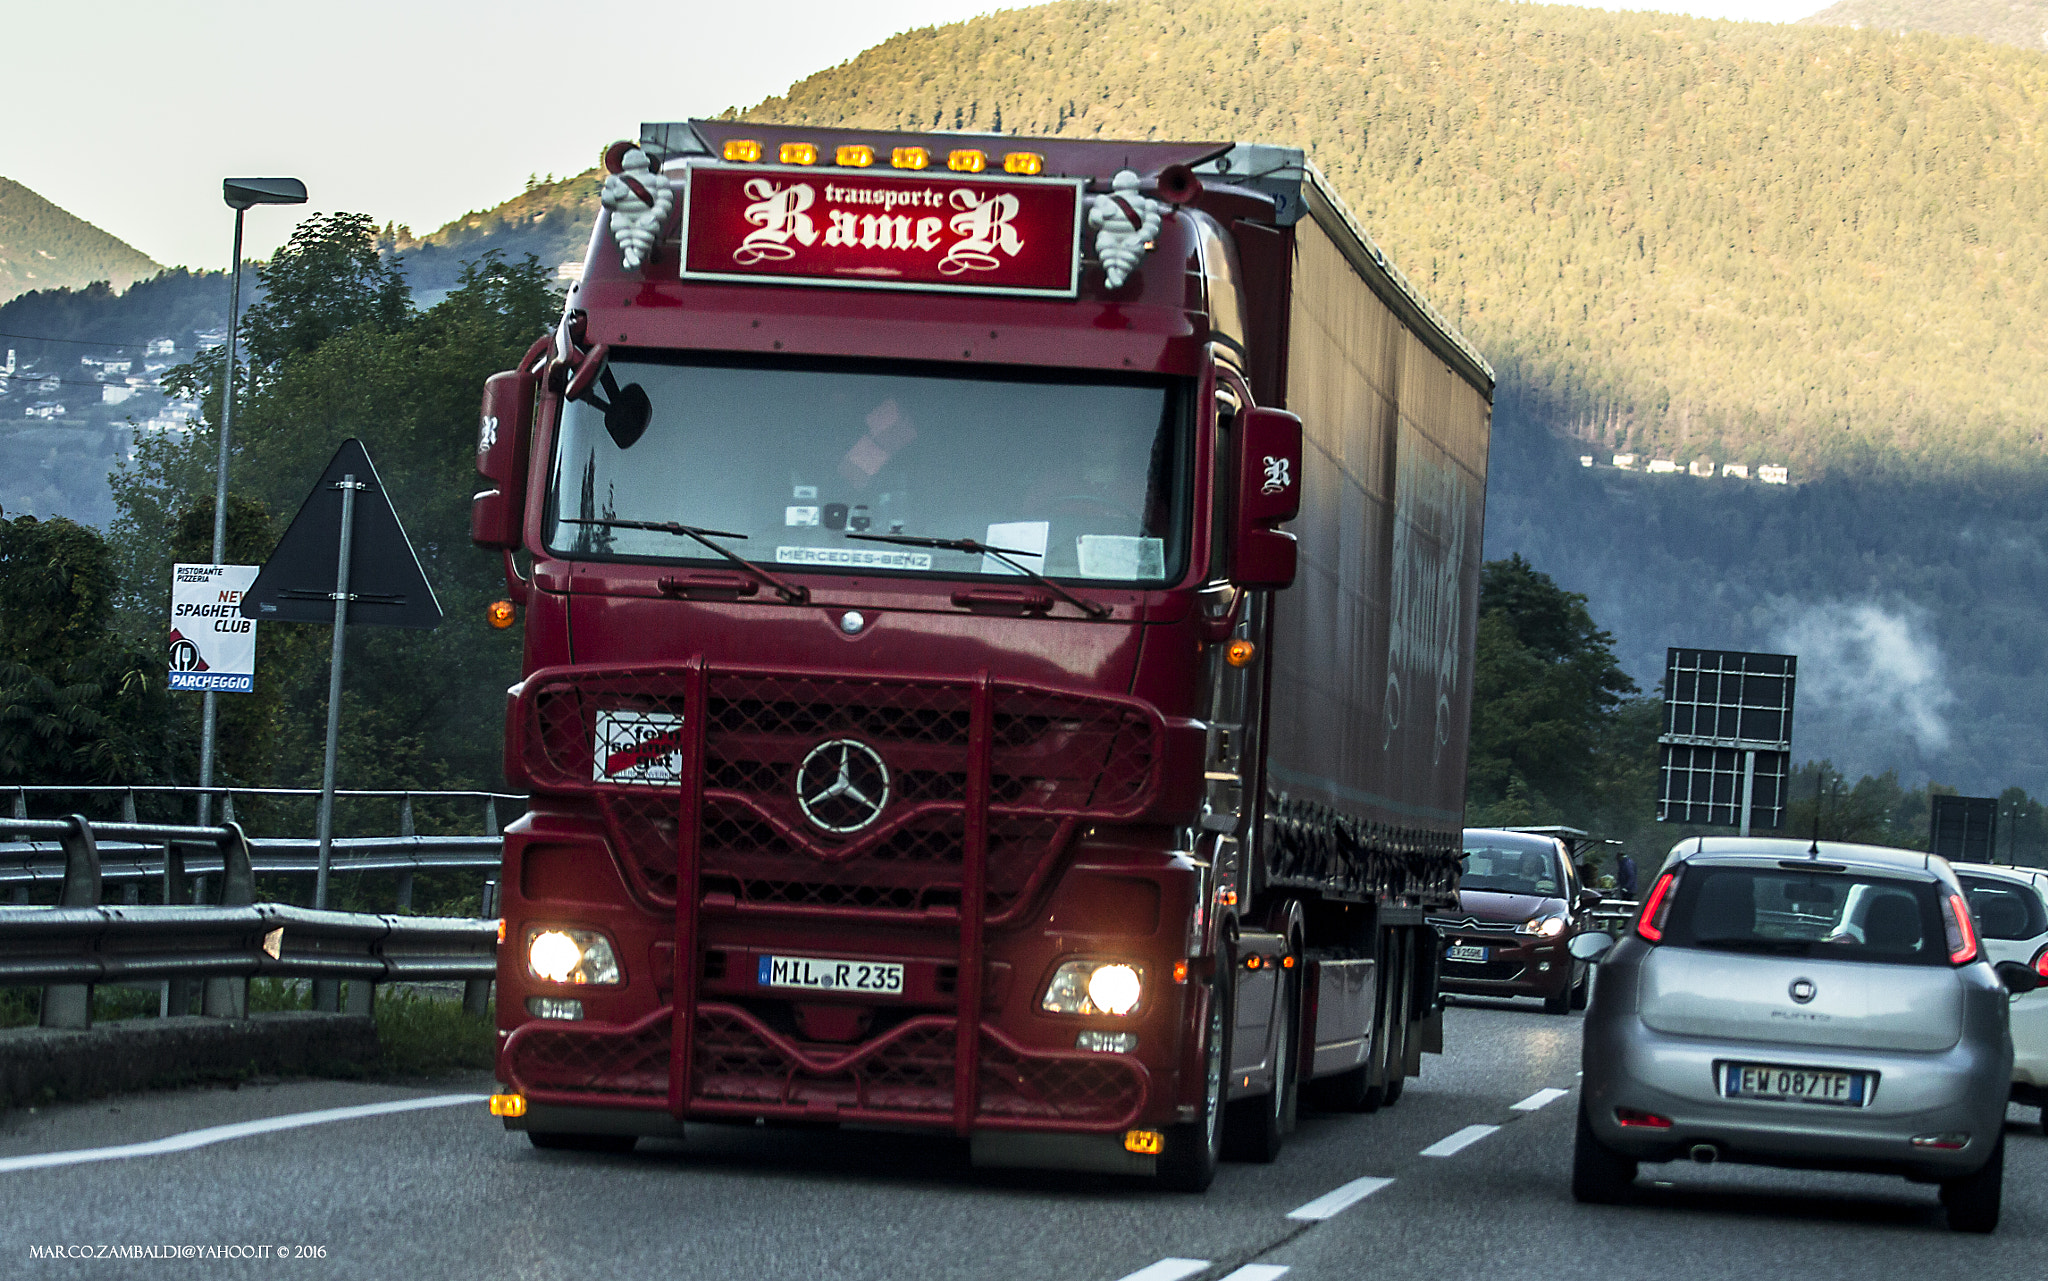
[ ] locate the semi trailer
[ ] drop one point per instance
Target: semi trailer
(998, 628)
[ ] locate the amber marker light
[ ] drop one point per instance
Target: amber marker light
(744, 150)
(967, 160)
(501, 614)
(1024, 162)
(1180, 971)
(508, 1105)
(501, 931)
(1240, 653)
(855, 156)
(910, 158)
(1144, 1142)
(799, 153)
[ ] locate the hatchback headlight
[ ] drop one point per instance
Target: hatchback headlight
(1548, 927)
(1094, 987)
(571, 956)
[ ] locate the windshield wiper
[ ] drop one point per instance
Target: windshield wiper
(790, 594)
(975, 547)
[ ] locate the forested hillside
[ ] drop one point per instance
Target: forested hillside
(551, 220)
(1809, 245)
(2021, 23)
(42, 247)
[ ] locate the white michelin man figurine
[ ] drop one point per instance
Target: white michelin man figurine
(1124, 223)
(639, 198)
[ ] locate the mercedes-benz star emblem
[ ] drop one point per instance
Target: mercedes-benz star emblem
(1802, 990)
(842, 785)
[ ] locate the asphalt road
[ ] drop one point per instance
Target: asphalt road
(441, 1191)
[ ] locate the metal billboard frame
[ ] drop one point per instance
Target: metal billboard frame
(1721, 708)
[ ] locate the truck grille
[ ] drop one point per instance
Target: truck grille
(1057, 759)
(741, 1067)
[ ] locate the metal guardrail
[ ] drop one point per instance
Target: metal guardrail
(34, 862)
(78, 943)
(1614, 914)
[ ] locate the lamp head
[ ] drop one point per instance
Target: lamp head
(240, 193)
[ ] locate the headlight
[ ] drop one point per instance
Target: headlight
(571, 956)
(1094, 987)
(1548, 927)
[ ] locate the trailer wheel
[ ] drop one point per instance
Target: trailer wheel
(1193, 1148)
(1256, 1129)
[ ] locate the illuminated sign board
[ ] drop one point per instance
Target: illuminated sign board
(948, 232)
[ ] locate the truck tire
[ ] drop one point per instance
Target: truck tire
(1600, 1175)
(1972, 1201)
(554, 1141)
(1193, 1148)
(1256, 1129)
(1583, 993)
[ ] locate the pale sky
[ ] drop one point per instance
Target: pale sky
(128, 114)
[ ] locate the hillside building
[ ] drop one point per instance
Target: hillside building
(1772, 474)
(1663, 467)
(1626, 462)
(1738, 470)
(1702, 467)
(1585, 460)
(161, 347)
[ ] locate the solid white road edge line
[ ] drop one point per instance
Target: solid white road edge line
(1258, 1272)
(1452, 1144)
(241, 1130)
(1336, 1201)
(1167, 1270)
(1538, 1099)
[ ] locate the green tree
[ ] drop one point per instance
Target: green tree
(327, 280)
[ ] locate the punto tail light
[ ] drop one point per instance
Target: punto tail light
(1650, 921)
(2041, 962)
(1635, 1119)
(1962, 935)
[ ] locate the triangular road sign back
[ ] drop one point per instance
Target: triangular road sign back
(386, 585)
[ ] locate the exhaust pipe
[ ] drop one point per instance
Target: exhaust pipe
(1704, 1153)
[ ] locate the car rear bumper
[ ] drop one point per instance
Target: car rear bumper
(1959, 1090)
(1510, 970)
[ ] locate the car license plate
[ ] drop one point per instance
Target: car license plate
(819, 975)
(1794, 1084)
(1465, 952)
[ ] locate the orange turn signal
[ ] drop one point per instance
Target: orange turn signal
(1240, 653)
(1144, 1142)
(501, 614)
(744, 150)
(508, 1105)
(1286, 962)
(1254, 961)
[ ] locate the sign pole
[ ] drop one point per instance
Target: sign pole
(1748, 786)
(348, 486)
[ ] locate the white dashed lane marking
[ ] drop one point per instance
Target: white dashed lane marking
(1338, 1200)
(1452, 1144)
(1538, 1099)
(1168, 1270)
(1258, 1272)
(241, 1130)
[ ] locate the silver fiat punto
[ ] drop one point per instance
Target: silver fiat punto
(1791, 1003)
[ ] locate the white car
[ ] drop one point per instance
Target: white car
(2011, 908)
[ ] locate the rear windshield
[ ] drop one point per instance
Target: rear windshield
(1511, 869)
(2004, 909)
(1834, 915)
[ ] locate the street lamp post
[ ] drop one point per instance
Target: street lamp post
(240, 194)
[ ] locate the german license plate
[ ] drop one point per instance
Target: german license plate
(1465, 952)
(819, 975)
(1794, 1084)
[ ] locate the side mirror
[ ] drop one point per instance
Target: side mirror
(1590, 946)
(2018, 979)
(497, 515)
(1268, 495)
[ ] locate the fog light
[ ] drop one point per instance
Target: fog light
(554, 1007)
(1107, 1042)
(1144, 1142)
(571, 956)
(1952, 1141)
(508, 1105)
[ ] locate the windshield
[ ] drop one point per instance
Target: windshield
(1512, 869)
(1814, 914)
(1081, 479)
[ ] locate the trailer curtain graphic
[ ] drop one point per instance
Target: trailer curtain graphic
(882, 231)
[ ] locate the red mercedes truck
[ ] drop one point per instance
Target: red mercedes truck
(998, 624)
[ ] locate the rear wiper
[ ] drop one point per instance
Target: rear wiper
(975, 547)
(791, 594)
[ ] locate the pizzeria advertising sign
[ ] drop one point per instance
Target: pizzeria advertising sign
(946, 231)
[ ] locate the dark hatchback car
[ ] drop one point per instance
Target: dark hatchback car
(1520, 903)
